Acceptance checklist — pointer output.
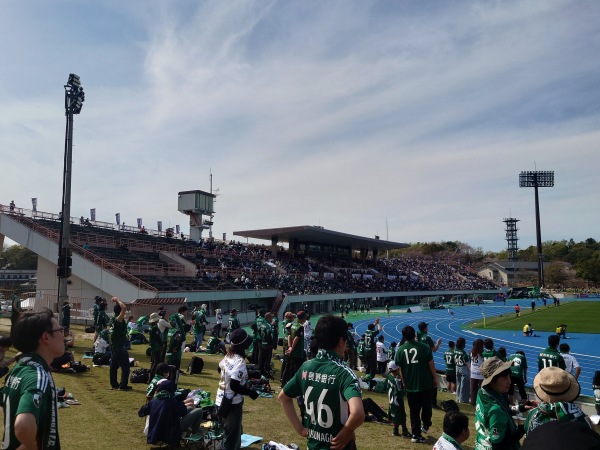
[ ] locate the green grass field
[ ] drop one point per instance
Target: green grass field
(580, 317)
(108, 419)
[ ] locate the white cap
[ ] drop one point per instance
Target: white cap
(392, 366)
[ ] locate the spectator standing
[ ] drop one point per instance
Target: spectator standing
(489, 351)
(417, 370)
(258, 321)
(66, 317)
(450, 367)
(265, 333)
(232, 324)
(334, 404)
(288, 319)
(572, 366)
(463, 371)
(199, 318)
(163, 327)
(456, 431)
(29, 394)
(517, 310)
(155, 343)
(370, 348)
(551, 357)
(119, 355)
(350, 353)
(216, 331)
(396, 394)
(232, 389)
(557, 389)
(476, 361)
(518, 375)
(533, 306)
(381, 355)
(295, 354)
(423, 336)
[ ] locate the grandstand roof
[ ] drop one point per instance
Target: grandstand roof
(161, 301)
(320, 235)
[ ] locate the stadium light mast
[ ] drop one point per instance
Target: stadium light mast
(537, 179)
(74, 98)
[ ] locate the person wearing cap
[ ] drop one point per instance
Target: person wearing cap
(331, 391)
(551, 357)
(154, 336)
(456, 431)
(423, 336)
(557, 389)
(396, 394)
(494, 424)
(232, 389)
(417, 370)
(199, 318)
(370, 347)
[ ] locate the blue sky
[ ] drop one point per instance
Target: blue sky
(340, 114)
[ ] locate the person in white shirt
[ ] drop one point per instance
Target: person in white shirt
(381, 355)
(573, 366)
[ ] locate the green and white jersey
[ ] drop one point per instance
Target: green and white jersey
(360, 348)
(200, 321)
(327, 384)
(151, 389)
(425, 339)
(395, 389)
(551, 358)
(370, 341)
(461, 358)
(233, 324)
(297, 331)
(487, 354)
(449, 360)
(30, 389)
(493, 420)
(446, 442)
(212, 344)
(174, 341)
(519, 366)
(265, 333)
(413, 359)
(391, 353)
(546, 412)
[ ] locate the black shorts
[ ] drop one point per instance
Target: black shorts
(450, 378)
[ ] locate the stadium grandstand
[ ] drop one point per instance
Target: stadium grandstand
(318, 270)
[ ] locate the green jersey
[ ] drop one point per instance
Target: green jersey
(174, 341)
(370, 341)
(297, 331)
(360, 348)
(391, 353)
(200, 321)
(151, 389)
(118, 336)
(425, 339)
(327, 384)
(212, 344)
(233, 324)
(518, 369)
(396, 393)
(413, 359)
(551, 358)
(265, 333)
(493, 420)
(546, 412)
(446, 442)
(155, 338)
(487, 354)
(30, 389)
(461, 358)
(449, 356)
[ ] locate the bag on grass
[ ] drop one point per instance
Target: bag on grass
(449, 405)
(196, 365)
(101, 359)
(140, 375)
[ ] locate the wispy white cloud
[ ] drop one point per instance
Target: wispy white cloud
(340, 113)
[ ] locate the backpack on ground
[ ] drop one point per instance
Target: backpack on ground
(140, 375)
(196, 365)
(374, 410)
(90, 329)
(449, 405)
(101, 359)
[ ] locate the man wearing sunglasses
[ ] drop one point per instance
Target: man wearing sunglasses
(29, 395)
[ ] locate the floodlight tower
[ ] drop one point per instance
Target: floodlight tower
(537, 179)
(74, 98)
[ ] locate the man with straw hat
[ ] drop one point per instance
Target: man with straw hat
(557, 389)
(493, 415)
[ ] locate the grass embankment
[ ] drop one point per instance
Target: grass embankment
(580, 317)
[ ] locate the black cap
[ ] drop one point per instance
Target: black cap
(239, 339)
(560, 435)
(422, 326)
